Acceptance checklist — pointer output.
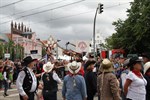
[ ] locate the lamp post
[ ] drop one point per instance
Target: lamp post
(67, 45)
(57, 49)
(100, 8)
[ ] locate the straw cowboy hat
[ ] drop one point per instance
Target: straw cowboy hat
(106, 66)
(74, 67)
(146, 67)
(48, 67)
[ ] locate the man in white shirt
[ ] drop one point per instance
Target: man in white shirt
(26, 81)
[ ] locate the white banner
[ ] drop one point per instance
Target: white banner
(82, 46)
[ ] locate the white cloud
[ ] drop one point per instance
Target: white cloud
(66, 27)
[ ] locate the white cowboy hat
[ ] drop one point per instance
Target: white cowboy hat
(74, 67)
(146, 67)
(48, 67)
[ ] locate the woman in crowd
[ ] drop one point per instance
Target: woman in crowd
(147, 77)
(90, 79)
(123, 76)
(134, 87)
(6, 80)
(74, 87)
(107, 83)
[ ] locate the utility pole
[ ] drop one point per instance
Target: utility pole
(57, 49)
(100, 8)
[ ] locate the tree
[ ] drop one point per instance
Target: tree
(16, 51)
(133, 34)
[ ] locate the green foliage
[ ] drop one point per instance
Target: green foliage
(16, 51)
(43, 51)
(133, 34)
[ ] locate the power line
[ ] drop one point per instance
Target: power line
(44, 11)
(90, 11)
(11, 4)
(34, 8)
(64, 17)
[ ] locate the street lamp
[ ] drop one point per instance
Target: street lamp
(100, 8)
(67, 45)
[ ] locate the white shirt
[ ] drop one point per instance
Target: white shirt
(123, 79)
(56, 78)
(4, 75)
(136, 90)
(20, 80)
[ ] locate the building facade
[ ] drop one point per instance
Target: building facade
(98, 41)
(24, 36)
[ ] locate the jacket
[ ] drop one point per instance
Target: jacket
(91, 83)
(108, 87)
(74, 88)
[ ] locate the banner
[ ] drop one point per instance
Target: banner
(82, 46)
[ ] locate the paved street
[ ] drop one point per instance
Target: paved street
(13, 94)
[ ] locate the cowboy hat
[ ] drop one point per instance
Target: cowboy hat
(88, 63)
(146, 55)
(126, 63)
(27, 60)
(74, 67)
(48, 67)
(134, 60)
(106, 66)
(146, 67)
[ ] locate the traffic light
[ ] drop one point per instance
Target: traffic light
(98, 51)
(101, 8)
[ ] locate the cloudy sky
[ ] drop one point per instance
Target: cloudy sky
(67, 20)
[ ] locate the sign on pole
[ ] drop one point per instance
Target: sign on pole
(82, 46)
(7, 55)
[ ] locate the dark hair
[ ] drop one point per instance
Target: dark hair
(5, 69)
(131, 67)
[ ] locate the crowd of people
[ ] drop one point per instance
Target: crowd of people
(117, 78)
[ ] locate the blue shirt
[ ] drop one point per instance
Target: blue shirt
(74, 88)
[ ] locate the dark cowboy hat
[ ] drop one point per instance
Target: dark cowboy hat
(27, 60)
(146, 54)
(89, 62)
(134, 60)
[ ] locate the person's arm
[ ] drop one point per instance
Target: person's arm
(38, 75)
(83, 89)
(126, 85)
(40, 86)
(4, 75)
(56, 78)
(19, 84)
(64, 90)
(123, 80)
(114, 86)
(98, 85)
(94, 82)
